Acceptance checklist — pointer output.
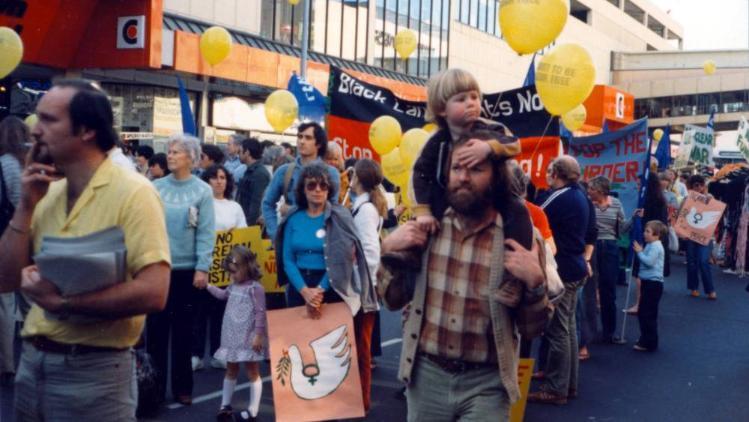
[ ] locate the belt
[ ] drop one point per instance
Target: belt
(44, 344)
(455, 366)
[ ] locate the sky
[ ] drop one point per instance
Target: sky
(710, 25)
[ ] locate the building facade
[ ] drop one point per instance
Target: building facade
(92, 38)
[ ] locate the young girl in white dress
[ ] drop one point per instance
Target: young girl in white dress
(243, 332)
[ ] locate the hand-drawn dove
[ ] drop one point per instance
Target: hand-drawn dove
(702, 220)
(331, 365)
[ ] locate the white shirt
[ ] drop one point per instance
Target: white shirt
(368, 223)
(119, 158)
(229, 215)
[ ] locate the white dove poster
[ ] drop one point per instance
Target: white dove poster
(313, 365)
(698, 217)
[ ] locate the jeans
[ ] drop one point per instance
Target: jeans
(7, 332)
(562, 361)
(98, 386)
(607, 263)
(647, 314)
(698, 266)
(436, 395)
(175, 321)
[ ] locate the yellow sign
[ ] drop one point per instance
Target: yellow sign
(525, 369)
(251, 237)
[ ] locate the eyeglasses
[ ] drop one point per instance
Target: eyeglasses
(314, 184)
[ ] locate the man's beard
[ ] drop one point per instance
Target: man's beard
(466, 201)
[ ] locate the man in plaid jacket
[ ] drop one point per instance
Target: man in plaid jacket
(475, 292)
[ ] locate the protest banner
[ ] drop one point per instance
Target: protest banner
(536, 155)
(354, 104)
(742, 137)
(314, 367)
(683, 154)
(251, 237)
(698, 217)
(525, 369)
(618, 155)
(701, 140)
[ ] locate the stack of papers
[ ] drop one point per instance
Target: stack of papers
(83, 264)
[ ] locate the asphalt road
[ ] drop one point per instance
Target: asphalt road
(700, 372)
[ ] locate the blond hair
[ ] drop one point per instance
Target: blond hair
(444, 85)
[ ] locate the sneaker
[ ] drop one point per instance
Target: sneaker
(695, 293)
(197, 363)
(639, 348)
(244, 416)
(729, 271)
(218, 364)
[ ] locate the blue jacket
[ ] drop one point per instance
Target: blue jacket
(275, 191)
(569, 217)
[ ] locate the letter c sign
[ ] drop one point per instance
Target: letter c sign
(131, 32)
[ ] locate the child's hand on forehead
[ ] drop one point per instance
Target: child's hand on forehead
(473, 152)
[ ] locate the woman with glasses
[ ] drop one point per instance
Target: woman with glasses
(320, 256)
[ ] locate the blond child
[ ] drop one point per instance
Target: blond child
(651, 257)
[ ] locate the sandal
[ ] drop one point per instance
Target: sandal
(547, 397)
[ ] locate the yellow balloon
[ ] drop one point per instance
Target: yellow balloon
(394, 169)
(215, 45)
(31, 120)
(529, 26)
(564, 78)
(293, 2)
(281, 109)
(384, 134)
(411, 143)
(709, 67)
(430, 128)
(11, 50)
(657, 134)
(405, 43)
(575, 118)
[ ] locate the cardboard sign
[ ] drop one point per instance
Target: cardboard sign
(742, 138)
(702, 140)
(314, 367)
(525, 370)
(250, 237)
(683, 154)
(619, 156)
(698, 217)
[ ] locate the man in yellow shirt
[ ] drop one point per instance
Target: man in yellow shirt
(71, 371)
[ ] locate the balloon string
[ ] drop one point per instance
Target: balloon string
(535, 149)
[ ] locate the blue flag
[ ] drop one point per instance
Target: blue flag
(310, 99)
(637, 227)
(530, 77)
(663, 151)
(711, 119)
(188, 121)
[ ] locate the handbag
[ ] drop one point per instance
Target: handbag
(145, 374)
(6, 207)
(673, 240)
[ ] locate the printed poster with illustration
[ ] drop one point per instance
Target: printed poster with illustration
(313, 363)
(698, 217)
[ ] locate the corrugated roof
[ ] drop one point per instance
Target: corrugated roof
(180, 23)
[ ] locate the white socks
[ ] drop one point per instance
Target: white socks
(256, 391)
(228, 391)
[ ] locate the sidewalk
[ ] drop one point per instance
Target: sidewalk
(699, 373)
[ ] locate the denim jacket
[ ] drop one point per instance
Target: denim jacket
(345, 261)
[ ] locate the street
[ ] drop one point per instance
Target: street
(698, 374)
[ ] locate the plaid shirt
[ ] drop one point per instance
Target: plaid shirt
(457, 323)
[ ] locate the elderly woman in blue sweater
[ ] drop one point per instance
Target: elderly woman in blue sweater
(319, 254)
(188, 206)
